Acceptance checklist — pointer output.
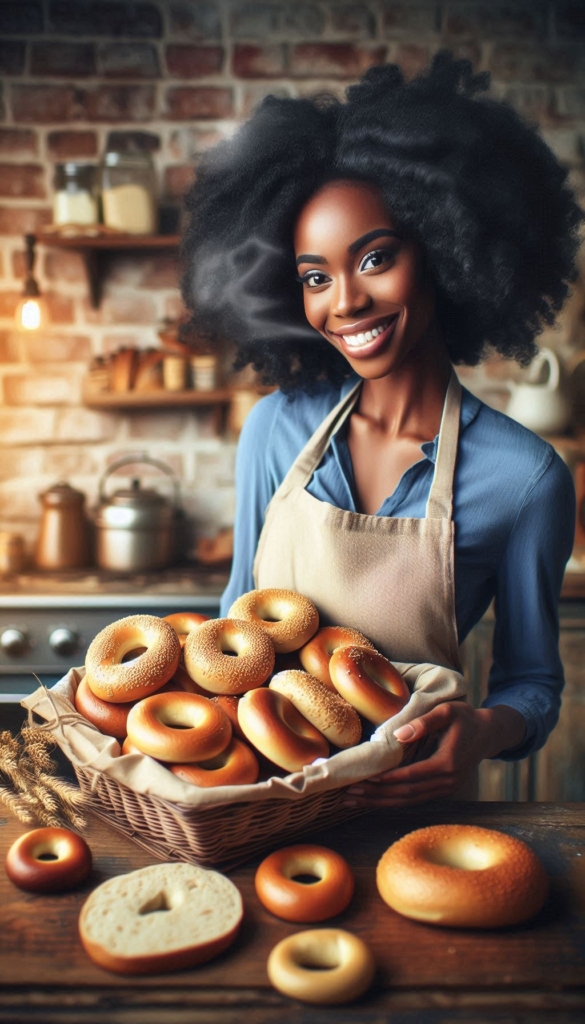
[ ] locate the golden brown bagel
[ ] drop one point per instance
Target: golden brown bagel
(327, 711)
(237, 765)
(215, 670)
(282, 894)
(28, 870)
(272, 724)
(184, 623)
(462, 876)
(178, 727)
(369, 682)
(324, 966)
(289, 618)
(316, 655)
(111, 680)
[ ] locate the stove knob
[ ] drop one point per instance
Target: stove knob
(14, 642)
(63, 641)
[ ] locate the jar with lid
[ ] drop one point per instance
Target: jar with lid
(128, 186)
(75, 199)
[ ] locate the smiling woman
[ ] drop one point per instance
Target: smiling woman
(428, 224)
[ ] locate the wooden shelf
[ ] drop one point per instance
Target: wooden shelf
(97, 249)
(155, 399)
(112, 242)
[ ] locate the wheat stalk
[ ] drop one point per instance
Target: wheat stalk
(28, 785)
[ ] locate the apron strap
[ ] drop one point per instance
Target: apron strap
(305, 464)
(440, 501)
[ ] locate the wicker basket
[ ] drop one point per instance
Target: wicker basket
(211, 826)
(221, 836)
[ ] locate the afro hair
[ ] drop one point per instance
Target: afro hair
(461, 171)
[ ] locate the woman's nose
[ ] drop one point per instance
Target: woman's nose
(348, 296)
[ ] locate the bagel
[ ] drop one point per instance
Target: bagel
(184, 623)
(327, 711)
(121, 931)
(237, 765)
(273, 725)
(289, 618)
(325, 966)
(316, 655)
(111, 680)
(209, 664)
(462, 876)
(48, 860)
(278, 888)
(369, 682)
(178, 727)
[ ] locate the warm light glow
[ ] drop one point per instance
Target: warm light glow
(30, 315)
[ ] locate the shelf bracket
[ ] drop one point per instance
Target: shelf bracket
(93, 268)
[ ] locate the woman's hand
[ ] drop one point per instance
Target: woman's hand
(465, 737)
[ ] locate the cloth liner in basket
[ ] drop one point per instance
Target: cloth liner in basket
(175, 819)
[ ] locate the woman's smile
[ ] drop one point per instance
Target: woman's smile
(366, 339)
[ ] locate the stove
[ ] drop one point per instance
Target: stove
(48, 620)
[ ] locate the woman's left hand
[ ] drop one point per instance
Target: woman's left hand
(465, 737)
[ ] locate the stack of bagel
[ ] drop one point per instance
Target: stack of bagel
(226, 701)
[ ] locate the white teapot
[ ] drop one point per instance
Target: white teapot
(544, 408)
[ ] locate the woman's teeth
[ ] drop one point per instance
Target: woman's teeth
(357, 340)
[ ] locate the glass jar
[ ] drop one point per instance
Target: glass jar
(75, 199)
(128, 186)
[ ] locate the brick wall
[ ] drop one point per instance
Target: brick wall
(185, 72)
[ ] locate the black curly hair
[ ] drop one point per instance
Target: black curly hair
(463, 173)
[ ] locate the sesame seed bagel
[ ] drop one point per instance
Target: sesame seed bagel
(289, 618)
(462, 876)
(316, 655)
(327, 711)
(209, 665)
(111, 680)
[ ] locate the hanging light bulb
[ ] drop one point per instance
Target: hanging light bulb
(31, 312)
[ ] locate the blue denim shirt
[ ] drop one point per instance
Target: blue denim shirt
(514, 513)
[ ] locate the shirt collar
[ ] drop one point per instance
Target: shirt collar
(470, 406)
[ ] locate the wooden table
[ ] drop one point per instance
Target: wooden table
(426, 975)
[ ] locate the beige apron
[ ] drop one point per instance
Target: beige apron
(393, 579)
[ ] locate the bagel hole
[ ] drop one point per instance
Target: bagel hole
(305, 879)
(318, 960)
(47, 856)
(133, 654)
(461, 856)
(157, 904)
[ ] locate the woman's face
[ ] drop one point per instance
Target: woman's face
(364, 283)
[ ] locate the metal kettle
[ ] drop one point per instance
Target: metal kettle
(137, 528)
(63, 541)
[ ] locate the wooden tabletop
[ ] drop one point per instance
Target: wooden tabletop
(425, 975)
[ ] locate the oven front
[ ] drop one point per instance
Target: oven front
(46, 635)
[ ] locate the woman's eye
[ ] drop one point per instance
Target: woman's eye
(376, 259)
(313, 278)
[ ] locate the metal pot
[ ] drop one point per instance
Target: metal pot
(63, 541)
(136, 528)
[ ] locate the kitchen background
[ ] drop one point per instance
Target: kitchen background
(172, 78)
